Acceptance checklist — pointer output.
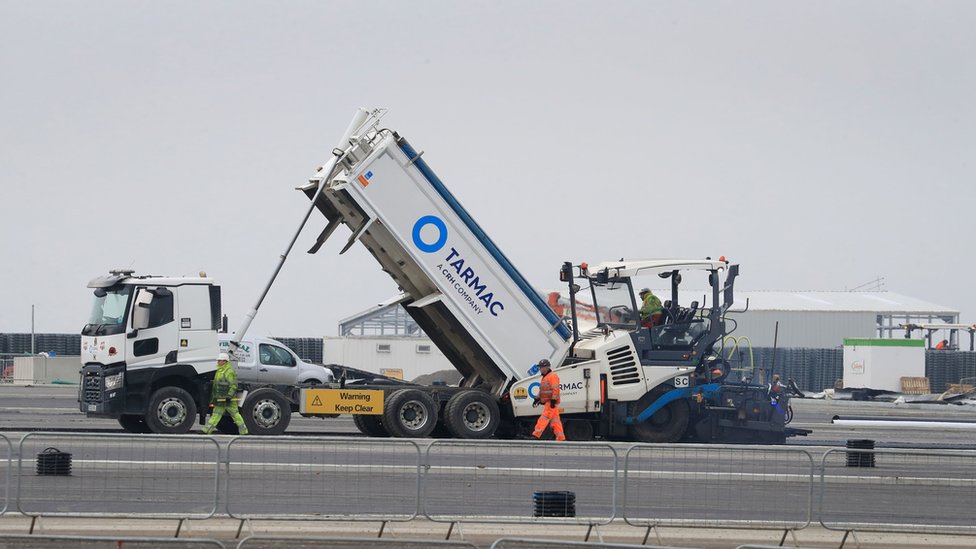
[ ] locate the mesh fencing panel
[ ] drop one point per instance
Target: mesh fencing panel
(718, 486)
(489, 481)
(323, 478)
(525, 543)
(118, 475)
(41, 541)
(898, 491)
(6, 464)
(273, 542)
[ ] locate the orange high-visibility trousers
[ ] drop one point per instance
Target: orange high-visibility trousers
(550, 416)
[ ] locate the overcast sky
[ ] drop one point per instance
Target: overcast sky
(818, 144)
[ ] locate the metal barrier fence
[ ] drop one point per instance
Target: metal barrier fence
(323, 478)
(291, 478)
(718, 486)
(6, 462)
(520, 543)
(275, 542)
(906, 491)
(494, 481)
(120, 475)
(41, 541)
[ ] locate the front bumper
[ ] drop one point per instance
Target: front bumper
(96, 401)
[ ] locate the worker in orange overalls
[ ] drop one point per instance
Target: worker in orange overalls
(549, 398)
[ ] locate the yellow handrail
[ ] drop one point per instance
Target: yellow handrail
(736, 341)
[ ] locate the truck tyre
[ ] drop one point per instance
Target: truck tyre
(134, 424)
(471, 414)
(266, 412)
(410, 413)
(171, 411)
(578, 429)
(667, 425)
(371, 426)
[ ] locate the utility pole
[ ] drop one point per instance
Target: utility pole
(32, 329)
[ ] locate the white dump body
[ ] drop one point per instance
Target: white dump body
(465, 294)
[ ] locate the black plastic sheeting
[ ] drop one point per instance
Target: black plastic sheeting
(818, 369)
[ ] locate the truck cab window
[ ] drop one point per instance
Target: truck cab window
(161, 310)
(108, 311)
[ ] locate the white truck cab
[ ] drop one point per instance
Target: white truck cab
(264, 360)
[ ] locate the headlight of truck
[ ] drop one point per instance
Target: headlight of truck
(113, 381)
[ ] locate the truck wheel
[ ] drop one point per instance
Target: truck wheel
(410, 413)
(171, 411)
(578, 429)
(266, 412)
(471, 414)
(371, 426)
(134, 424)
(667, 425)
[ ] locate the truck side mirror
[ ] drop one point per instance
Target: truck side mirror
(140, 310)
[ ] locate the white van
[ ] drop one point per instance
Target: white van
(268, 362)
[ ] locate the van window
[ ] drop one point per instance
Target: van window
(273, 355)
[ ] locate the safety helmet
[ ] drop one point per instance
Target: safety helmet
(644, 291)
(223, 357)
(544, 363)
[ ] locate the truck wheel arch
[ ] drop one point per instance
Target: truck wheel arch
(667, 425)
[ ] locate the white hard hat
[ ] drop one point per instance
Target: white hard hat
(223, 357)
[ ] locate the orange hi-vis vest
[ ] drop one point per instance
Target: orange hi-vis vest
(549, 388)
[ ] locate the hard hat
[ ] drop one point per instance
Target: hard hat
(544, 363)
(223, 357)
(644, 291)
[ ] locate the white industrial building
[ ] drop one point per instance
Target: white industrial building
(824, 319)
(819, 320)
(385, 340)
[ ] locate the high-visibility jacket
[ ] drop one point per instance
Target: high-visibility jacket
(549, 388)
(224, 383)
(651, 305)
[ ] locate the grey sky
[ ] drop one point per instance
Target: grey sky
(818, 144)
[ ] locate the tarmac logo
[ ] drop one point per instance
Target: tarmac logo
(456, 269)
(438, 243)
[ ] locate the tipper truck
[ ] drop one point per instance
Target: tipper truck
(619, 379)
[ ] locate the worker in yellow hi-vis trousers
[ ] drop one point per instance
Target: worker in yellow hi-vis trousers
(223, 396)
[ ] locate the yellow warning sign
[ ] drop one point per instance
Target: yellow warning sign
(342, 401)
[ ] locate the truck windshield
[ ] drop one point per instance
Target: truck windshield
(108, 311)
(614, 303)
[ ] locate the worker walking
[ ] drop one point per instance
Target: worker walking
(223, 397)
(549, 398)
(651, 310)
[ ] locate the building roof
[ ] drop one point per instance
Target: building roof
(837, 301)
